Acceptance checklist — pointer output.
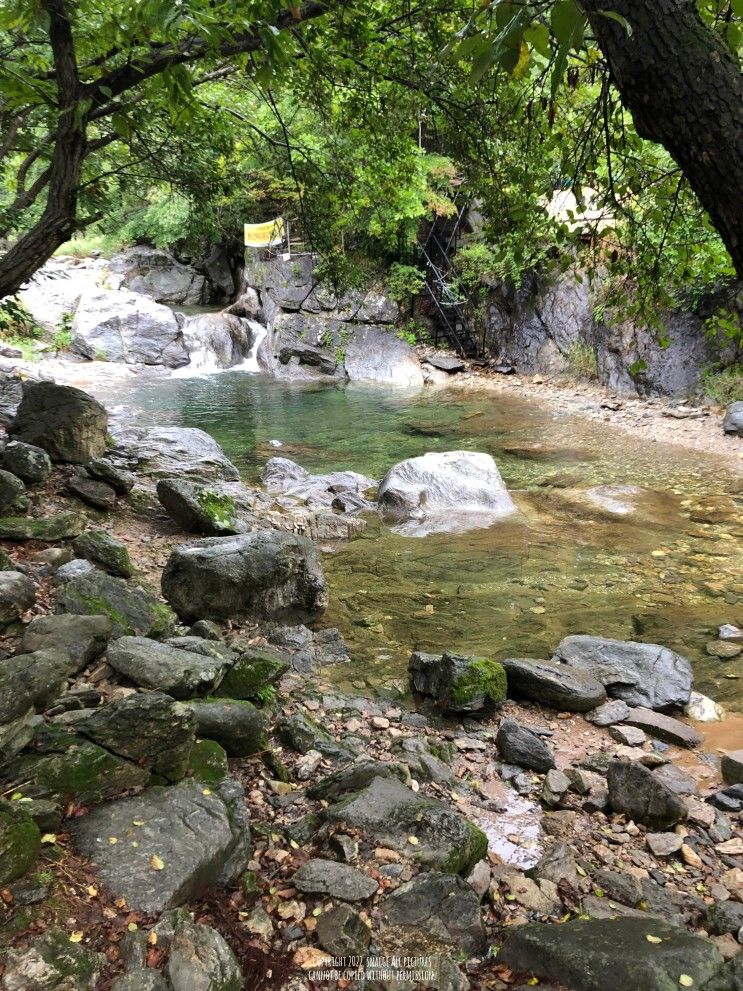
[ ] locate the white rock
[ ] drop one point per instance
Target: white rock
(703, 709)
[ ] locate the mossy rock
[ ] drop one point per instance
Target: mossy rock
(104, 550)
(132, 610)
(53, 962)
(63, 526)
(234, 723)
(208, 762)
(20, 840)
(475, 684)
(6, 562)
(254, 671)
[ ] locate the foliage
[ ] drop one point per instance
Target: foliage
(404, 281)
(723, 387)
(16, 322)
(581, 359)
(414, 332)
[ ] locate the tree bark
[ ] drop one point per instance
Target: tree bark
(684, 89)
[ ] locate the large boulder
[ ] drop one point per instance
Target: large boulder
(637, 793)
(157, 274)
(199, 835)
(470, 686)
(217, 340)
(612, 954)
(449, 491)
(267, 574)
(174, 452)
(377, 354)
(160, 666)
(641, 674)
(127, 327)
(553, 684)
(132, 610)
(66, 422)
(733, 422)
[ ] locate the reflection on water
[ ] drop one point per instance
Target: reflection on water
(614, 536)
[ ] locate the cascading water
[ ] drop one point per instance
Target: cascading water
(217, 342)
(259, 333)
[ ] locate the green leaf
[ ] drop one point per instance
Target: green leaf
(614, 16)
(537, 35)
(567, 23)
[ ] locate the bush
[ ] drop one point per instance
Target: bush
(723, 387)
(582, 362)
(404, 281)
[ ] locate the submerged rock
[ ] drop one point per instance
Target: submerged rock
(641, 674)
(553, 684)
(265, 574)
(67, 423)
(199, 834)
(448, 491)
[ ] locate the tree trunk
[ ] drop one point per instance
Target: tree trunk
(684, 89)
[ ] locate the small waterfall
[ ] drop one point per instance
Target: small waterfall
(258, 332)
(218, 342)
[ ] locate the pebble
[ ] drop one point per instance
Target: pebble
(380, 722)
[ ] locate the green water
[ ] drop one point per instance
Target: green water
(669, 571)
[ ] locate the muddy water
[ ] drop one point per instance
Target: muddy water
(614, 536)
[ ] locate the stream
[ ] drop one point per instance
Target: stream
(615, 536)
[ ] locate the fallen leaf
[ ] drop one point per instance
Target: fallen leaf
(413, 840)
(156, 863)
(653, 939)
(49, 838)
(685, 981)
(77, 936)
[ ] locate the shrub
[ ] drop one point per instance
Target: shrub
(724, 386)
(581, 359)
(404, 281)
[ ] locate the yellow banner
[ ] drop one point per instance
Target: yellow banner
(264, 235)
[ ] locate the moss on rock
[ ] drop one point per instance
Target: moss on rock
(208, 762)
(252, 672)
(20, 840)
(480, 681)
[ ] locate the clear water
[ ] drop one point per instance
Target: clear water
(670, 570)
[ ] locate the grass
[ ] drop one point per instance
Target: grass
(723, 387)
(581, 359)
(83, 245)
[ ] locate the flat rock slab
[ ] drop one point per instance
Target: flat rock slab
(51, 529)
(609, 713)
(443, 906)
(445, 362)
(553, 684)
(611, 954)
(327, 877)
(392, 814)
(200, 835)
(664, 728)
(150, 664)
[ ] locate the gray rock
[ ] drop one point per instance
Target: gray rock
(115, 325)
(327, 877)
(201, 960)
(471, 686)
(150, 664)
(52, 963)
(20, 841)
(93, 493)
(256, 669)
(641, 674)
(733, 422)
(391, 814)
(198, 508)
(17, 594)
(342, 932)
(556, 864)
(28, 462)
(664, 844)
(677, 780)
(664, 727)
(105, 551)
(236, 725)
(12, 491)
(553, 684)
(635, 792)
(51, 529)
(140, 980)
(157, 274)
(610, 954)
(285, 477)
(375, 354)
(148, 728)
(729, 978)
(83, 637)
(555, 785)
(120, 480)
(445, 362)
(72, 569)
(32, 680)
(132, 610)
(265, 574)
(200, 834)
(353, 778)
(731, 767)
(443, 906)
(170, 452)
(445, 492)
(67, 423)
(630, 736)
(724, 917)
(303, 734)
(519, 745)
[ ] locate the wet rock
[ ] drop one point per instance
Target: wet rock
(210, 510)
(303, 734)
(84, 638)
(327, 877)
(733, 422)
(104, 551)
(92, 492)
(461, 685)
(724, 649)
(519, 745)
(236, 725)
(201, 960)
(12, 491)
(52, 963)
(641, 674)
(31, 464)
(17, 594)
(67, 423)
(610, 954)
(132, 610)
(20, 841)
(609, 713)
(150, 664)
(266, 574)
(344, 490)
(442, 492)
(174, 452)
(32, 681)
(255, 669)
(148, 728)
(392, 814)
(731, 767)
(730, 632)
(664, 727)
(308, 650)
(104, 470)
(552, 684)
(635, 792)
(201, 836)
(443, 906)
(50, 529)
(342, 932)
